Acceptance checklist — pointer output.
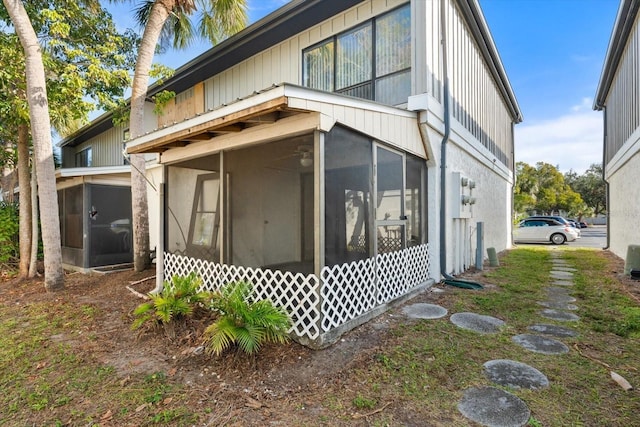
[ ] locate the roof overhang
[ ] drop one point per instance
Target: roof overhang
(91, 171)
(258, 111)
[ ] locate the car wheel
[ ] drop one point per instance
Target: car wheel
(558, 239)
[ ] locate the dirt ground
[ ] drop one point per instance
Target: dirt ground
(265, 390)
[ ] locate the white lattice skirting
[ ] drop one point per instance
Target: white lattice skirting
(318, 305)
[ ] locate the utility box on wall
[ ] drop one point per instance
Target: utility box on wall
(462, 198)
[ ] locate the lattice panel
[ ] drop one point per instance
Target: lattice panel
(349, 290)
(297, 293)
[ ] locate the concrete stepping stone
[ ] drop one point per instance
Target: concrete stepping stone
(477, 322)
(563, 283)
(562, 316)
(539, 344)
(558, 305)
(510, 373)
(424, 311)
(561, 275)
(493, 407)
(553, 330)
(562, 295)
(559, 290)
(564, 268)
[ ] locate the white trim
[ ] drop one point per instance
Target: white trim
(92, 170)
(629, 149)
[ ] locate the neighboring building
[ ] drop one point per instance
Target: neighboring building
(618, 95)
(304, 155)
(94, 195)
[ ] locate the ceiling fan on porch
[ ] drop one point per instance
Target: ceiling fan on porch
(304, 153)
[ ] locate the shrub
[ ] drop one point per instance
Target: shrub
(178, 299)
(9, 229)
(243, 323)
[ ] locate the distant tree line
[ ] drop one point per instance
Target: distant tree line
(545, 190)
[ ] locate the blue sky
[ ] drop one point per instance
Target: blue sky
(553, 52)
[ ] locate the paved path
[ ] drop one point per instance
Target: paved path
(496, 407)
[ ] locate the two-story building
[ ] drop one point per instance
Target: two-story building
(338, 154)
(618, 95)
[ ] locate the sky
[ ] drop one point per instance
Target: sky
(553, 52)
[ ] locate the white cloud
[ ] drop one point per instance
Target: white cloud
(571, 141)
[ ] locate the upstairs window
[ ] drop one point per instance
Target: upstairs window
(371, 61)
(83, 158)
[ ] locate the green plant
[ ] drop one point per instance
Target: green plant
(361, 402)
(9, 246)
(178, 299)
(247, 324)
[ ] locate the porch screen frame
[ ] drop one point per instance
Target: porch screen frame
(215, 231)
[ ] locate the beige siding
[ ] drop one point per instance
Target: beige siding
(106, 148)
(282, 63)
(622, 103)
(476, 102)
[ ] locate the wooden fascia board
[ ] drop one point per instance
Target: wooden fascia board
(223, 124)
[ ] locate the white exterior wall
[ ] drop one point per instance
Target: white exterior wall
(624, 211)
(622, 153)
(282, 63)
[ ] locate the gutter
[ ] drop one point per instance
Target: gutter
(606, 183)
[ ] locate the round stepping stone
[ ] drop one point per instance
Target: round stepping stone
(477, 322)
(555, 274)
(562, 316)
(558, 305)
(424, 311)
(510, 373)
(493, 407)
(539, 344)
(562, 282)
(553, 330)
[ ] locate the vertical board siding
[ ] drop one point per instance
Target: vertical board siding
(106, 148)
(283, 62)
(623, 102)
(477, 103)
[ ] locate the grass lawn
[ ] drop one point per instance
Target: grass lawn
(412, 372)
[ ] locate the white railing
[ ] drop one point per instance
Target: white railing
(317, 306)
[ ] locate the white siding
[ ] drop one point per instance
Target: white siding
(106, 148)
(283, 63)
(623, 100)
(624, 213)
(476, 102)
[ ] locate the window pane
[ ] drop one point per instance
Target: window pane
(393, 42)
(394, 89)
(414, 200)
(318, 67)
(353, 57)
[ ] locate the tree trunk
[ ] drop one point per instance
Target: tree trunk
(139, 206)
(41, 134)
(24, 183)
(33, 264)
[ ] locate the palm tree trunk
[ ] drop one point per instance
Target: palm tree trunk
(41, 134)
(33, 264)
(139, 206)
(24, 183)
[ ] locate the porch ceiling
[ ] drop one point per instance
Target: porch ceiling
(214, 123)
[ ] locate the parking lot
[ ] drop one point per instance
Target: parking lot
(592, 237)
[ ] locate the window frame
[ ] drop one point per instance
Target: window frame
(374, 78)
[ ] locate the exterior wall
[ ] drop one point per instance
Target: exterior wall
(476, 102)
(622, 104)
(624, 214)
(283, 62)
(186, 104)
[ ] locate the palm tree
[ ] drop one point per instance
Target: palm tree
(163, 19)
(41, 135)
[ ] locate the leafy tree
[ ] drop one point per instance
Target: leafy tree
(591, 187)
(542, 188)
(86, 63)
(168, 20)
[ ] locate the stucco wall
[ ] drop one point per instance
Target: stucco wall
(624, 210)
